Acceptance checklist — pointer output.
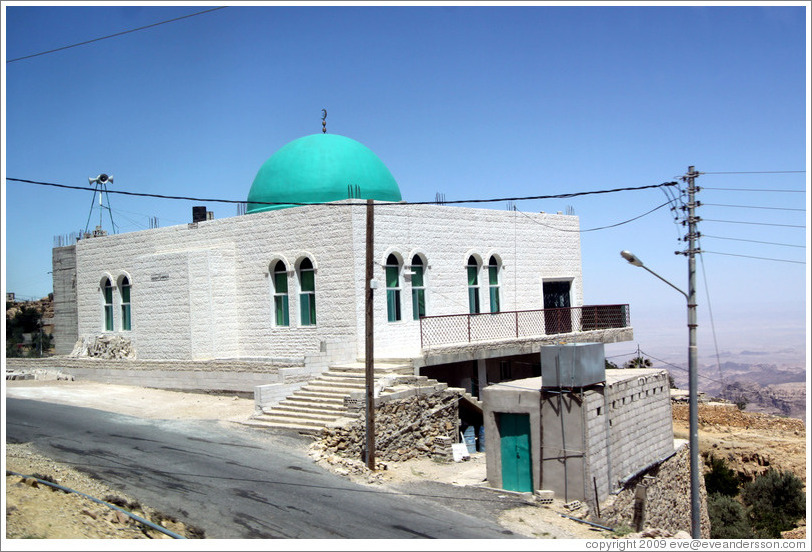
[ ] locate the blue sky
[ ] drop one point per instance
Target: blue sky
(472, 102)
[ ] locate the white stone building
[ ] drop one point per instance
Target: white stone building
(276, 296)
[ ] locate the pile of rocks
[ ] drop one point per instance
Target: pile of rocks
(420, 426)
(104, 346)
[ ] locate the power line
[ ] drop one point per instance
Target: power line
(751, 207)
(600, 227)
(115, 34)
(754, 190)
(756, 223)
(710, 313)
(682, 368)
(752, 172)
(754, 257)
(753, 241)
(213, 200)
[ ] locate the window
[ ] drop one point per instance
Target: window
(124, 288)
(280, 294)
(493, 283)
(307, 297)
(418, 289)
(473, 285)
(392, 289)
(107, 292)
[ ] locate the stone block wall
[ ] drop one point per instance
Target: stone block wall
(668, 498)
(419, 426)
(204, 291)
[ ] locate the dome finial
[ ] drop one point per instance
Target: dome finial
(324, 121)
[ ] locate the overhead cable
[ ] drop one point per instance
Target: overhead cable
(115, 34)
(756, 223)
(754, 257)
(753, 241)
(751, 207)
(214, 200)
(755, 190)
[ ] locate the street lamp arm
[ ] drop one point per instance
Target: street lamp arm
(664, 280)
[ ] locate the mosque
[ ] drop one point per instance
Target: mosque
(276, 296)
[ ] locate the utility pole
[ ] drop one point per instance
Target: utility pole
(369, 349)
(693, 408)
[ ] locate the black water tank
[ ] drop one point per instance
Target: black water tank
(199, 213)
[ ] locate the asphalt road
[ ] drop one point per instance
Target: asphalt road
(239, 483)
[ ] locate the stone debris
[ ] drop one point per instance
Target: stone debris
(103, 346)
(422, 426)
(657, 533)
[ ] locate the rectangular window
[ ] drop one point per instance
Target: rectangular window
(307, 308)
(392, 294)
(307, 299)
(473, 290)
(493, 281)
(418, 293)
(126, 324)
(108, 308)
(281, 310)
(280, 283)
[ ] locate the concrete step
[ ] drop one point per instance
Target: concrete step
(286, 415)
(302, 409)
(307, 402)
(303, 429)
(320, 396)
(306, 422)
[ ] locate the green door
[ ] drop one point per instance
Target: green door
(517, 465)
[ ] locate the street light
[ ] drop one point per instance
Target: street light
(693, 440)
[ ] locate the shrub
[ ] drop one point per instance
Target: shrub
(775, 502)
(721, 479)
(728, 518)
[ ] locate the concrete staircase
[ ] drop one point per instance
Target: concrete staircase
(321, 401)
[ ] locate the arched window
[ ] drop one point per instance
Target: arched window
(473, 285)
(392, 288)
(307, 295)
(418, 288)
(280, 294)
(107, 296)
(124, 289)
(493, 283)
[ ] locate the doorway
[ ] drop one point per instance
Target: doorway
(517, 463)
(557, 314)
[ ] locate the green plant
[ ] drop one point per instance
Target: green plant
(728, 518)
(721, 479)
(638, 362)
(622, 530)
(775, 502)
(741, 402)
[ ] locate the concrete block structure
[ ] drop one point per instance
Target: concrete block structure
(466, 296)
(580, 443)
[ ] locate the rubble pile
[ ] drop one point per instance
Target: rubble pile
(419, 426)
(103, 346)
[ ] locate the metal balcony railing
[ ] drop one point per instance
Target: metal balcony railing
(469, 328)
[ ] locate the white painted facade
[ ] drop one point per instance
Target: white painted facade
(205, 291)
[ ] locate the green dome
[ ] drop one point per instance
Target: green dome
(320, 168)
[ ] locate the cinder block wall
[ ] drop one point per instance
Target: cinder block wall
(66, 322)
(629, 426)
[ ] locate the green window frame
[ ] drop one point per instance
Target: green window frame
(473, 285)
(307, 293)
(493, 283)
(392, 289)
(126, 311)
(418, 288)
(280, 295)
(107, 296)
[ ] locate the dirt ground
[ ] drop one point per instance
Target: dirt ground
(751, 441)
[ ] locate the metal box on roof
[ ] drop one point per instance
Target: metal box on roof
(572, 365)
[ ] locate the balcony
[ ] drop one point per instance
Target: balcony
(462, 329)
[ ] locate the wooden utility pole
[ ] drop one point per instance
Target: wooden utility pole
(369, 349)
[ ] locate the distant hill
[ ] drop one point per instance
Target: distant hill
(766, 387)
